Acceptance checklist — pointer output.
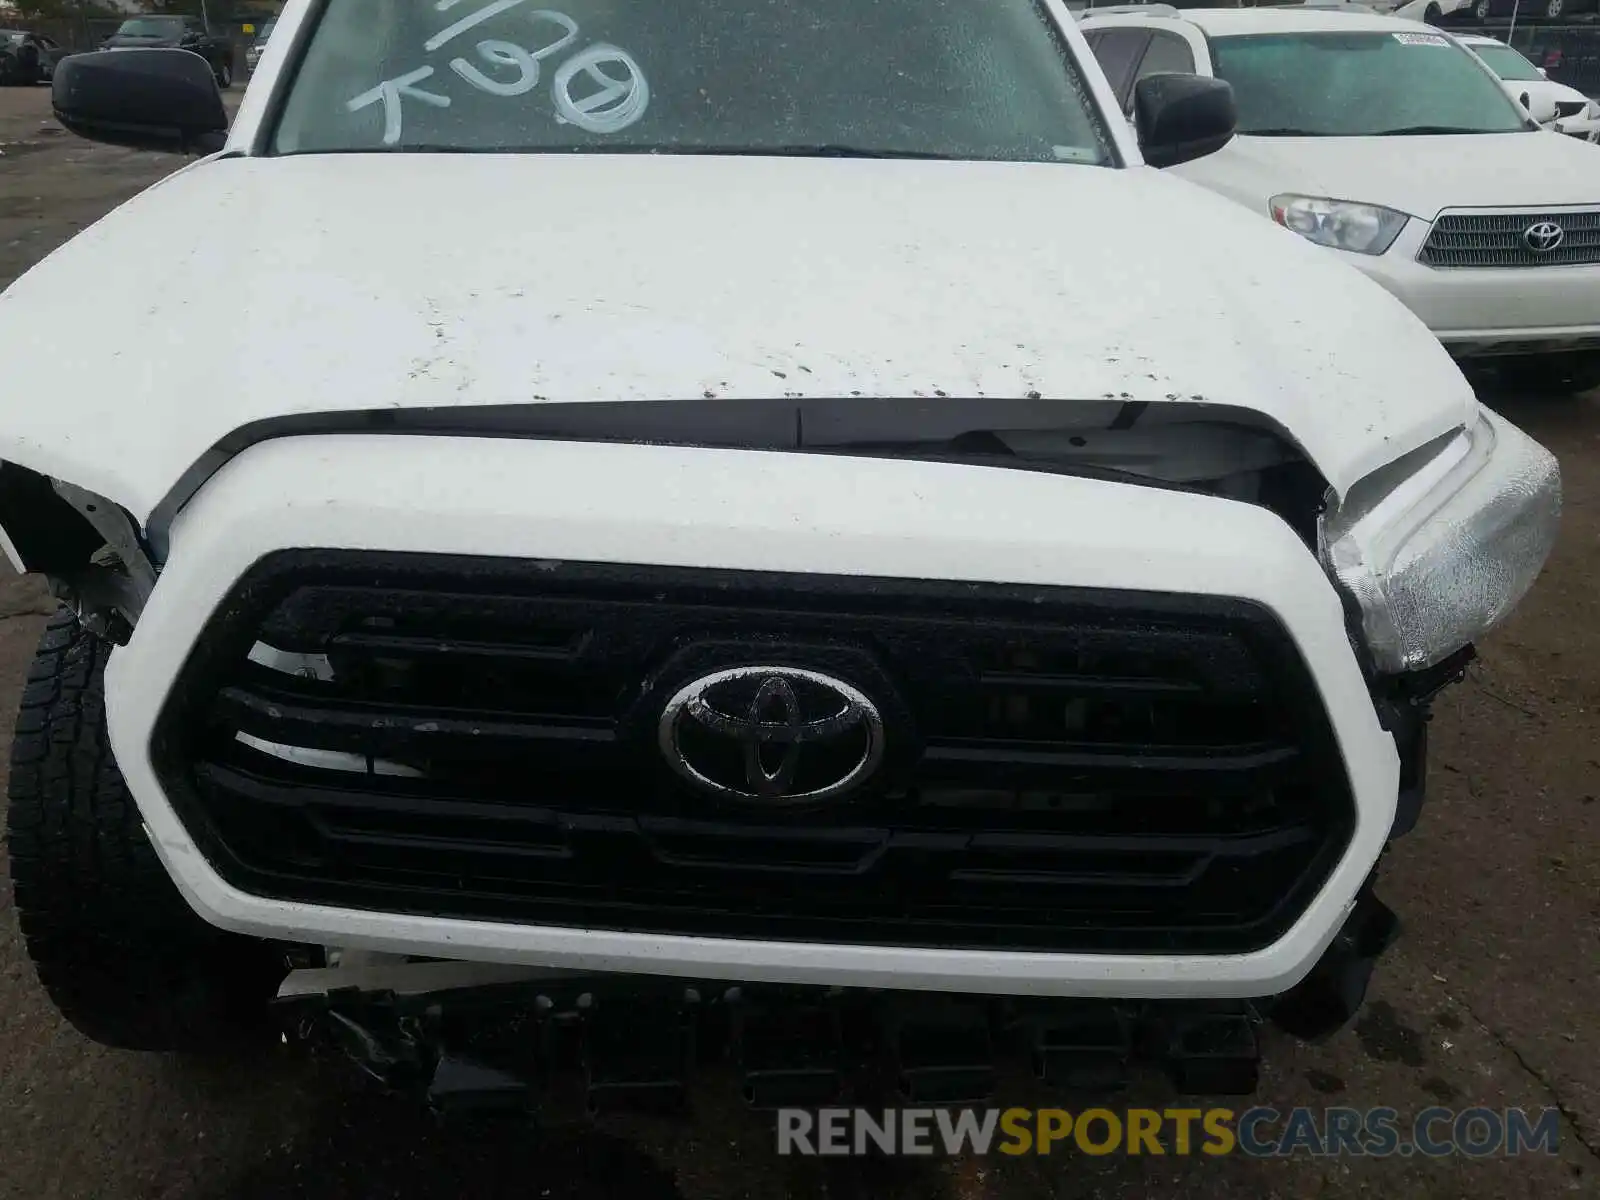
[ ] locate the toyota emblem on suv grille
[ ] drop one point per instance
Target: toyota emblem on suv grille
(773, 735)
(1544, 237)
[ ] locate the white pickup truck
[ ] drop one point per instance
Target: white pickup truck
(749, 518)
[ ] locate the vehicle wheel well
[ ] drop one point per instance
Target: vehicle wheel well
(88, 547)
(49, 535)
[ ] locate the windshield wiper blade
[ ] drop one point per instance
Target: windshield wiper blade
(827, 150)
(1420, 129)
(1281, 131)
(824, 151)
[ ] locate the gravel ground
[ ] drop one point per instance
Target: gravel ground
(1488, 998)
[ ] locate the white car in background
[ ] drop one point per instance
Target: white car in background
(1430, 11)
(258, 47)
(1575, 114)
(1397, 149)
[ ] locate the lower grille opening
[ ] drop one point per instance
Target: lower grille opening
(1061, 769)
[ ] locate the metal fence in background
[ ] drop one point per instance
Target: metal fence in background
(1569, 53)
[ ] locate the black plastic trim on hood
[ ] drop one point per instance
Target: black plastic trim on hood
(944, 428)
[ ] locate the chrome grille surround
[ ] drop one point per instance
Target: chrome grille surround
(1490, 239)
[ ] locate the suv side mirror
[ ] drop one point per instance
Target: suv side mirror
(1542, 110)
(1182, 117)
(146, 99)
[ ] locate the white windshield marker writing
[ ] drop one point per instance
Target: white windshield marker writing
(393, 92)
(504, 54)
(509, 54)
(618, 103)
(561, 19)
(470, 21)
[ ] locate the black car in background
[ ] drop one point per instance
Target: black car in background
(27, 57)
(183, 33)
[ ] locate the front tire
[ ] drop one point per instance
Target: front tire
(1554, 8)
(123, 957)
(225, 75)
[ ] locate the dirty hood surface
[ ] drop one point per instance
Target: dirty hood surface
(244, 289)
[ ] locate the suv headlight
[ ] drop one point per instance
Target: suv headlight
(1435, 553)
(1342, 224)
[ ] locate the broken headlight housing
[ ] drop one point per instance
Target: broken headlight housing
(1439, 546)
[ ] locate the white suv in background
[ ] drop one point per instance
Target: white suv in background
(1397, 149)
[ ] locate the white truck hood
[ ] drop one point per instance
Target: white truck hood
(245, 289)
(1416, 175)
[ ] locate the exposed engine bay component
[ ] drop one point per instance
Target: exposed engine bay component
(471, 1037)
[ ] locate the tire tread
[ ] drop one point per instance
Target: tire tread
(117, 948)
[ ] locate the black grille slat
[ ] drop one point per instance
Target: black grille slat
(1076, 759)
(1067, 769)
(366, 725)
(1488, 240)
(1108, 870)
(1080, 685)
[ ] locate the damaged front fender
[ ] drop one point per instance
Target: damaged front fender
(88, 547)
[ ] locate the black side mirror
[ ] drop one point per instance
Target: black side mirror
(1182, 117)
(147, 99)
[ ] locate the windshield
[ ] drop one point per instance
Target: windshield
(265, 32)
(1507, 63)
(1360, 84)
(161, 27)
(891, 78)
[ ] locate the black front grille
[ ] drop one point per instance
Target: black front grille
(1063, 769)
(1499, 240)
(1570, 108)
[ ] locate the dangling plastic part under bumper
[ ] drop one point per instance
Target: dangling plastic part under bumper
(475, 1038)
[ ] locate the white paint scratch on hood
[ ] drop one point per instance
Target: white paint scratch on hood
(251, 288)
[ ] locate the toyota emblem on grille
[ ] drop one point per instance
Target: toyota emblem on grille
(772, 735)
(1544, 236)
